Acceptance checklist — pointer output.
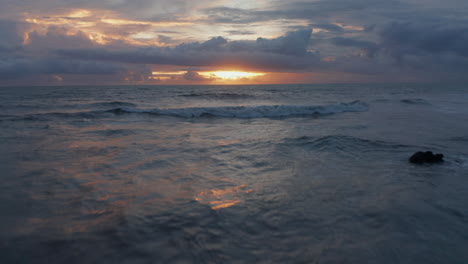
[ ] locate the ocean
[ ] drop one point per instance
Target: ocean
(233, 174)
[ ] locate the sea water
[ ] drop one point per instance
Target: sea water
(233, 174)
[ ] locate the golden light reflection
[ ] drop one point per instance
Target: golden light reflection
(216, 205)
(222, 198)
(228, 142)
(329, 58)
(105, 189)
(231, 75)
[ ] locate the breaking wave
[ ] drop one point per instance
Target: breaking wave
(415, 101)
(271, 111)
(113, 104)
(251, 111)
(342, 142)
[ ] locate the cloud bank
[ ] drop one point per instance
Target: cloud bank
(123, 42)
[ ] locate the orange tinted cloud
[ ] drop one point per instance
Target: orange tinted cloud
(101, 26)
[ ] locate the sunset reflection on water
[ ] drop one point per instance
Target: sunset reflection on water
(102, 179)
(222, 198)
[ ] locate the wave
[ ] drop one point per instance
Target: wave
(111, 132)
(415, 101)
(99, 105)
(461, 138)
(346, 143)
(271, 111)
(49, 116)
(251, 111)
(113, 104)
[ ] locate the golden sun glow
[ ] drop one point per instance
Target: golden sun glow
(208, 76)
(80, 13)
(231, 75)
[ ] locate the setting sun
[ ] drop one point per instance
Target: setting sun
(231, 75)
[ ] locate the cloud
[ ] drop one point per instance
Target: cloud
(409, 38)
(329, 27)
(10, 34)
(136, 9)
(308, 10)
(231, 15)
(166, 39)
(59, 37)
(193, 76)
(17, 67)
(368, 46)
(288, 52)
(240, 32)
(293, 43)
(214, 44)
(53, 37)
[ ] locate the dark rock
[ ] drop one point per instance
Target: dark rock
(426, 157)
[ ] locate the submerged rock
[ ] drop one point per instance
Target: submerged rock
(426, 157)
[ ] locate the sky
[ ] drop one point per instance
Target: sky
(163, 42)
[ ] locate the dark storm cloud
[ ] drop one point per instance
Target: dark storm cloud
(293, 43)
(404, 38)
(235, 15)
(10, 38)
(9, 49)
(288, 52)
(427, 47)
(348, 42)
(193, 76)
(15, 67)
(248, 60)
(369, 47)
(308, 10)
(57, 37)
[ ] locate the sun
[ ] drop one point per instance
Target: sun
(231, 75)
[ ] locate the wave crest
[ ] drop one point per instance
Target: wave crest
(272, 111)
(251, 111)
(415, 101)
(113, 104)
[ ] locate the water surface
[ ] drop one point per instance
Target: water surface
(233, 174)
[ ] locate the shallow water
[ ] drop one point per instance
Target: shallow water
(233, 174)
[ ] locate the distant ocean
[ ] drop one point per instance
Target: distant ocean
(233, 174)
